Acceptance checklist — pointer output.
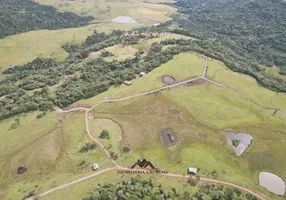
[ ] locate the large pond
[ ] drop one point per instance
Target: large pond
(124, 19)
(272, 183)
(244, 138)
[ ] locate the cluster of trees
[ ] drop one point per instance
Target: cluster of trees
(87, 147)
(254, 29)
(148, 189)
(104, 134)
(19, 16)
(43, 83)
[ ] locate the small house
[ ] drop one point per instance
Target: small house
(95, 166)
(128, 83)
(142, 74)
(192, 170)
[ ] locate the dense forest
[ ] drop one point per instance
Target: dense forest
(137, 189)
(252, 28)
(17, 16)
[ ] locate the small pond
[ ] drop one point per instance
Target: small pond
(244, 141)
(124, 20)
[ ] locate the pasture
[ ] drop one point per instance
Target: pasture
(50, 150)
(25, 47)
(201, 116)
(104, 11)
(183, 66)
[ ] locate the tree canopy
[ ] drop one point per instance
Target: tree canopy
(17, 16)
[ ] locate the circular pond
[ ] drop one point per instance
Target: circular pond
(168, 79)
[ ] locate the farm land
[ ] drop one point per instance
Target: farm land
(201, 112)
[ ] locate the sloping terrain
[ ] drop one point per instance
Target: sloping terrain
(19, 16)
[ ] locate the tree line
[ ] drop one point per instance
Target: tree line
(137, 189)
(17, 16)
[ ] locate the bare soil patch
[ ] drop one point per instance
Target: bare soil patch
(168, 79)
(195, 82)
(126, 149)
(169, 137)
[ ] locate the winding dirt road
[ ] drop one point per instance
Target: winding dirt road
(117, 166)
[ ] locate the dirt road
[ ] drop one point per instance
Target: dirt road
(206, 180)
(118, 167)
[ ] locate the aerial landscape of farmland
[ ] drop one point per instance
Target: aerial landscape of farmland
(135, 99)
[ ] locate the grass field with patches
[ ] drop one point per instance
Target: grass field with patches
(25, 47)
(104, 11)
(52, 157)
(143, 119)
(246, 86)
(183, 66)
(120, 53)
(86, 188)
(99, 125)
(201, 116)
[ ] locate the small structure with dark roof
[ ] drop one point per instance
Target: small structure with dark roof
(143, 163)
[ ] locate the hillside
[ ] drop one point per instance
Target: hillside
(19, 16)
(248, 36)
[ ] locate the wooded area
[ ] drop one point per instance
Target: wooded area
(253, 29)
(137, 189)
(44, 83)
(17, 16)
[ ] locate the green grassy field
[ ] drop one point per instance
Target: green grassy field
(201, 116)
(25, 47)
(98, 125)
(183, 66)
(104, 11)
(50, 153)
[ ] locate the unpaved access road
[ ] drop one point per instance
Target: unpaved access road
(206, 180)
(117, 166)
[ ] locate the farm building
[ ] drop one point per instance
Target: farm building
(127, 83)
(142, 74)
(95, 166)
(192, 170)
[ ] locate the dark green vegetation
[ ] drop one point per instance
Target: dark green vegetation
(17, 16)
(104, 134)
(235, 142)
(148, 189)
(242, 34)
(87, 147)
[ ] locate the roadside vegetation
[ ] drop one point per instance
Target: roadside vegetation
(147, 189)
